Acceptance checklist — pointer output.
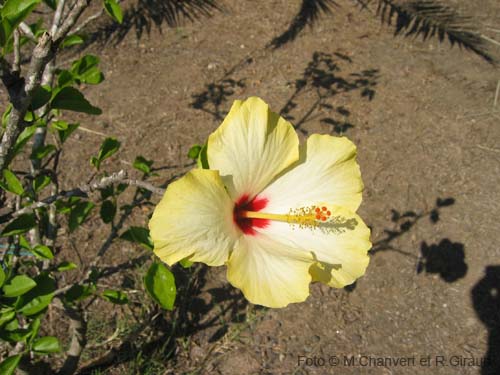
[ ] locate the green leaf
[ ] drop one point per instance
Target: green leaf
(142, 164)
(138, 235)
(42, 151)
(66, 266)
(42, 252)
(37, 298)
(79, 292)
(24, 137)
(40, 182)
(2, 275)
(21, 224)
(72, 40)
(108, 211)
(7, 315)
(64, 129)
(47, 344)
(160, 284)
(185, 263)
(65, 78)
(12, 183)
(115, 296)
(73, 100)
(113, 9)
(13, 13)
(108, 148)
(41, 96)
(194, 152)
(79, 213)
(85, 70)
(18, 285)
(9, 365)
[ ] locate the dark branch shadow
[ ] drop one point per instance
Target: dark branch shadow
(309, 13)
(323, 77)
(486, 300)
(146, 14)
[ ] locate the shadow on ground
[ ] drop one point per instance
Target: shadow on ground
(322, 78)
(486, 300)
(143, 15)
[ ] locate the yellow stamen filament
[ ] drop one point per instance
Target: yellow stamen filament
(308, 217)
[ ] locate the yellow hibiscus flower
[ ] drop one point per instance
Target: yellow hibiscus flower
(277, 214)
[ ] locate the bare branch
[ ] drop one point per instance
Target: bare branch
(27, 32)
(88, 20)
(82, 191)
(57, 17)
(16, 65)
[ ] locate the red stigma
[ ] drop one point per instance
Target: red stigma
(247, 225)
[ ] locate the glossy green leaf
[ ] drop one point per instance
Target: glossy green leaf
(42, 151)
(138, 235)
(142, 164)
(66, 266)
(160, 284)
(109, 147)
(12, 14)
(23, 138)
(72, 40)
(18, 286)
(2, 275)
(37, 298)
(6, 315)
(202, 161)
(185, 263)
(63, 129)
(40, 182)
(64, 78)
(47, 344)
(115, 296)
(12, 183)
(108, 211)
(9, 365)
(40, 97)
(78, 214)
(19, 225)
(85, 70)
(73, 100)
(114, 10)
(194, 152)
(42, 252)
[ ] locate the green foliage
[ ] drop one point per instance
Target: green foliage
(21, 224)
(194, 152)
(114, 10)
(63, 129)
(12, 14)
(42, 252)
(109, 147)
(18, 285)
(142, 164)
(138, 235)
(115, 296)
(160, 284)
(39, 297)
(79, 212)
(108, 211)
(73, 100)
(72, 40)
(46, 345)
(11, 183)
(9, 365)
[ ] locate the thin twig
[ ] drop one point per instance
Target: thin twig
(88, 20)
(57, 17)
(82, 191)
(27, 32)
(78, 329)
(496, 94)
(16, 65)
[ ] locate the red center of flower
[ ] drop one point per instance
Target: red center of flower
(247, 225)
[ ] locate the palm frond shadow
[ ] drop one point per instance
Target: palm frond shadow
(308, 14)
(431, 18)
(146, 14)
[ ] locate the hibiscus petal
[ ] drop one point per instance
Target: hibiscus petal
(326, 172)
(339, 245)
(194, 219)
(269, 273)
(251, 147)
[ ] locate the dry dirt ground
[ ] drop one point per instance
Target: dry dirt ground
(428, 137)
